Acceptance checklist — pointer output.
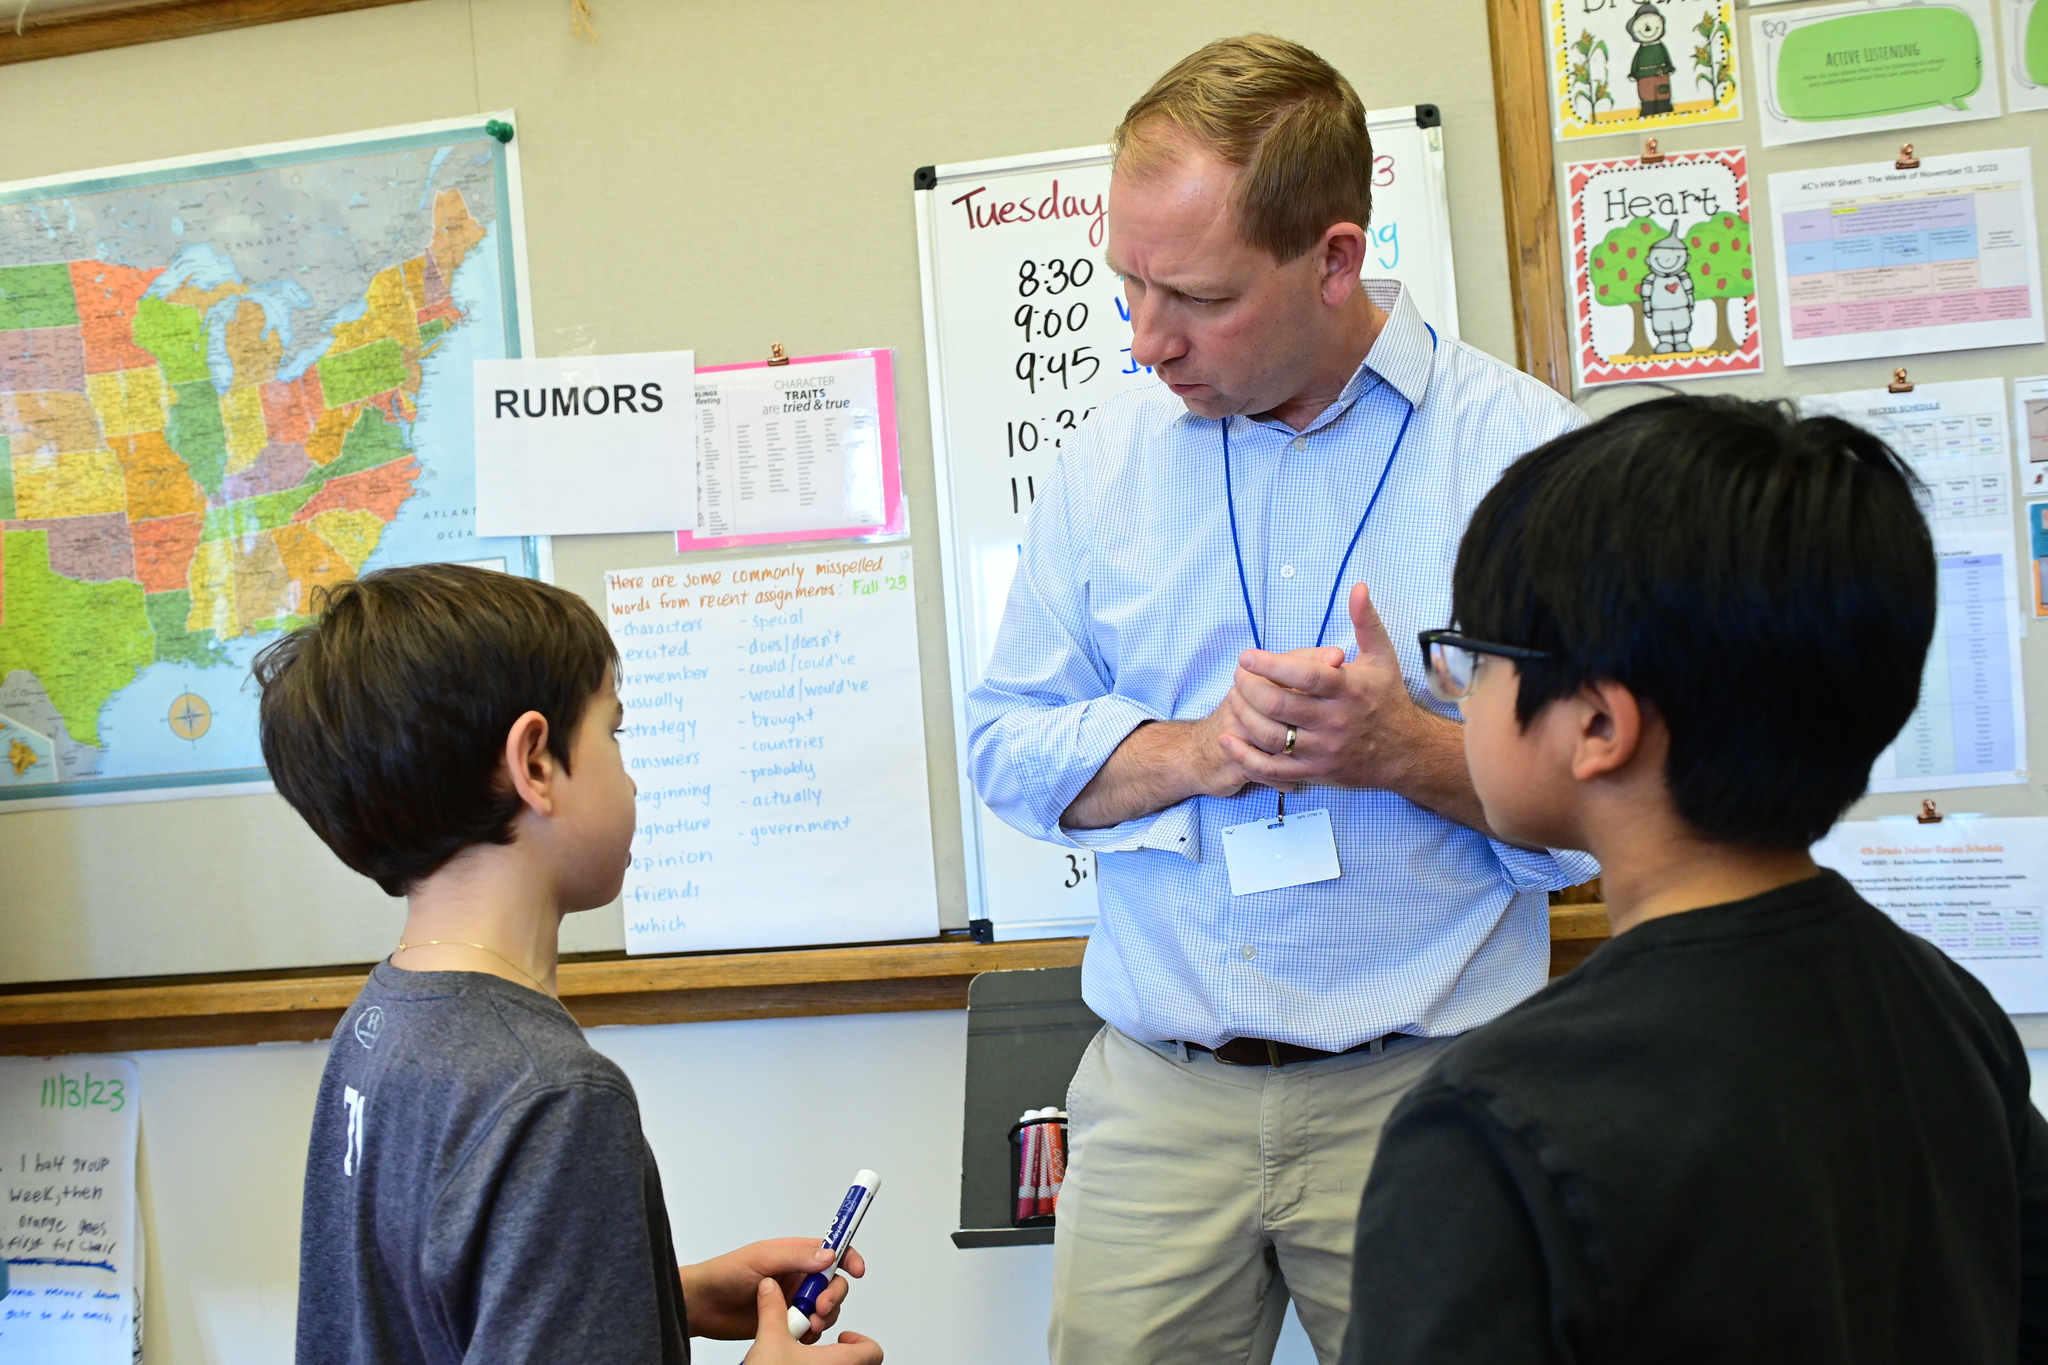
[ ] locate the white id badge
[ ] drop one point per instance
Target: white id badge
(1268, 854)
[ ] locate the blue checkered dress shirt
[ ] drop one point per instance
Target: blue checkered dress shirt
(1126, 608)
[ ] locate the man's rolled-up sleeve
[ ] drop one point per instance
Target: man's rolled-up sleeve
(1544, 869)
(1046, 715)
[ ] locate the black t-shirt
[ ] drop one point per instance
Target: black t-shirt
(478, 1189)
(1781, 1129)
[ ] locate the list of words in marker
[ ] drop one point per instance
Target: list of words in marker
(775, 728)
(67, 1164)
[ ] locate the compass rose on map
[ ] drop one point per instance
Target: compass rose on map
(190, 716)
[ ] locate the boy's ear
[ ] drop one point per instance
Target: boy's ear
(1610, 736)
(529, 764)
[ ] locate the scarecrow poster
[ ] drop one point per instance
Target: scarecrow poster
(1641, 66)
(1663, 279)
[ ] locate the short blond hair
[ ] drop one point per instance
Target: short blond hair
(1283, 116)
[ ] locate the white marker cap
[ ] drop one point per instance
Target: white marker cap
(799, 1325)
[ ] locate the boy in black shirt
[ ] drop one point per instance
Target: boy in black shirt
(478, 1188)
(1763, 1123)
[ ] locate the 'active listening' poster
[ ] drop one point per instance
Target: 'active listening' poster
(1663, 280)
(1868, 68)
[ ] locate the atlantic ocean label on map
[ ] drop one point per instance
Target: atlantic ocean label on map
(223, 389)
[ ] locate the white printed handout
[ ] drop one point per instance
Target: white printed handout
(1972, 886)
(775, 726)
(1871, 66)
(793, 448)
(67, 1146)
(585, 445)
(1874, 262)
(1970, 728)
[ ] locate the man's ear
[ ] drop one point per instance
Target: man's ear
(1341, 260)
(530, 765)
(1610, 730)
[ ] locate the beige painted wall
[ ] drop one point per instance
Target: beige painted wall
(719, 175)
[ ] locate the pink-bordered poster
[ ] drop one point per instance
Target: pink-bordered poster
(802, 451)
(1663, 275)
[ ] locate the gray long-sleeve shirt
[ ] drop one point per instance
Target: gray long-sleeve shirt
(478, 1189)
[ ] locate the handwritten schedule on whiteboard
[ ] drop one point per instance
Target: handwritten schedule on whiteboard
(775, 727)
(67, 1159)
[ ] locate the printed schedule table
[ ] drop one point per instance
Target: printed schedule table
(1969, 729)
(1875, 262)
(1964, 723)
(1897, 261)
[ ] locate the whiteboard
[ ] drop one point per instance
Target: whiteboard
(995, 239)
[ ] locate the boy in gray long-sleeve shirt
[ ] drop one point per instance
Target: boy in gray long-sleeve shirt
(478, 1187)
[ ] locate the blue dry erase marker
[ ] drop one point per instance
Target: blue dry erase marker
(845, 1223)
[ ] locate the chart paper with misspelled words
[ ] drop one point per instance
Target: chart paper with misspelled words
(1875, 262)
(775, 727)
(1970, 728)
(1972, 886)
(67, 1146)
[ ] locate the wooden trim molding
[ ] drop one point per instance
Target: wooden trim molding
(122, 1016)
(1528, 182)
(150, 23)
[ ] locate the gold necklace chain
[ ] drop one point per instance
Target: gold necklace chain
(459, 943)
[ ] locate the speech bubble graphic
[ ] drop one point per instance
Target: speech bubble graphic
(2034, 45)
(1883, 62)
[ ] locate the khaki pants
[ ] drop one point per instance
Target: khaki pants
(1200, 1197)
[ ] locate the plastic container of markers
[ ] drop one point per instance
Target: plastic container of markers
(1038, 1166)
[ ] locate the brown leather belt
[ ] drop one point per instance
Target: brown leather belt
(1266, 1052)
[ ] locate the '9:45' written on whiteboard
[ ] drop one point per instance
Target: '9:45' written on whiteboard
(1074, 354)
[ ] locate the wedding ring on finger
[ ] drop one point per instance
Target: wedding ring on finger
(1288, 747)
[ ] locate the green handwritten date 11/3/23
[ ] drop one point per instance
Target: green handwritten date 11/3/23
(85, 1091)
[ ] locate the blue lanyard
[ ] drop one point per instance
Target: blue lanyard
(1230, 498)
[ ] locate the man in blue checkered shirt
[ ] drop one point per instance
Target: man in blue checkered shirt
(1178, 645)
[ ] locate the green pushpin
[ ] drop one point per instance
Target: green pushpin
(499, 129)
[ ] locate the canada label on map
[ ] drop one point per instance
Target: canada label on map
(226, 384)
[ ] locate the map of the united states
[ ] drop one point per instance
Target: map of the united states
(211, 399)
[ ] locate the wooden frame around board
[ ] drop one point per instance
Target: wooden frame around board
(149, 22)
(612, 989)
(1528, 183)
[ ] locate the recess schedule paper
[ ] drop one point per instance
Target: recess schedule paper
(1972, 886)
(1970, 728)
(775, 726)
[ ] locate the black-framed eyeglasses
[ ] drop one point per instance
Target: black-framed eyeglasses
(1451, 661)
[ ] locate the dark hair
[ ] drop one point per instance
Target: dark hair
(384, 722)
(1766, 582)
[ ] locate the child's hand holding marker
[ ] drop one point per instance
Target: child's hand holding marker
(784, 1325)
(773, 1345)
(719, 1294)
